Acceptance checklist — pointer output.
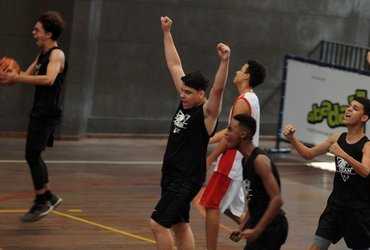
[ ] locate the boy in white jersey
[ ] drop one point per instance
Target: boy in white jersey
(224, 189)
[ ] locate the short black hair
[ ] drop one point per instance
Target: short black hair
(247, 122)
(196, 80)
(364, 101)
(52, 22)
(257, 73)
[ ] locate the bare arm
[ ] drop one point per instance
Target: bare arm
(362, 168)
(55, 66)
(212, 107)
(304, 151)
(217, 151)
(262, 166)
(368, 57)
(172, 57)
(217, 137)
(239, 107)
(236, 234)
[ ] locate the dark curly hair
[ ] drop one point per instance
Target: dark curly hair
(52, 22)
(257, 73)
(364, 101)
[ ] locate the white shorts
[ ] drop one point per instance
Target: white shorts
(233, 199)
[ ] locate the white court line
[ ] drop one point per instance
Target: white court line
(330, 166)
(90, 162)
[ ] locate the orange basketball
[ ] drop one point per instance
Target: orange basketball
(9, 64)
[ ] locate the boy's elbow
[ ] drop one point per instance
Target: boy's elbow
(307, 157)
(48, 81)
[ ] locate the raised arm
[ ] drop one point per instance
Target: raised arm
(212, 107)
(172, 57)
(304, 151)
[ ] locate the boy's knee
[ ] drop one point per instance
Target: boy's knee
(154, 226)
(32, 156)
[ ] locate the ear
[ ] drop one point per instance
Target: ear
(243, 134)
(364, 118)
(49, 34)
(202, 93)
(247, 76)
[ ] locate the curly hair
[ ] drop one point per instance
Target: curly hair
(257, 73)
(52, 22)
(364, 101)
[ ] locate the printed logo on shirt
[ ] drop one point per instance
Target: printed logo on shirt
(37, 69)
(180, 121)
(344, 169)
(247, 189)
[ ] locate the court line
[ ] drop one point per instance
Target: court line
(105, 227)
(90, 223)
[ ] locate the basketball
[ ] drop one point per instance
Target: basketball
(8, 64)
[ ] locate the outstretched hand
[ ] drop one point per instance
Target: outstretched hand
(223, 51)
(5, 77)
(166, 23)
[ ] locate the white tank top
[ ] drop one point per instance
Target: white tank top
(235, 172)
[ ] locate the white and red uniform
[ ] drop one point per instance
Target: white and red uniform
(224, 189)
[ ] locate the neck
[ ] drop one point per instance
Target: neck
(355, 131)
(246, 148)
(49, 45)
(242, 88)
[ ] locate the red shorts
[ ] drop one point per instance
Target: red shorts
(215, 191)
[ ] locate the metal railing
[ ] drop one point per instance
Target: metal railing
(341, 54)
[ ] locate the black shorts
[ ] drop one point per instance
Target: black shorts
(174, 205)
(272, 238)
(352, 224)
(40, 134)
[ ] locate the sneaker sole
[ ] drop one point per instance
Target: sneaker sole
(42, 215)
(59, 201)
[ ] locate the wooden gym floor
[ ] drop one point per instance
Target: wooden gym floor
(110, 187)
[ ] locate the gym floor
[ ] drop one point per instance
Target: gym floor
(110, 186)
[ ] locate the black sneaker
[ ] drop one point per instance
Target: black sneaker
(55, 201)
(37, 212)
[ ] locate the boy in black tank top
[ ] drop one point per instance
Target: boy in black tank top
(347, 214)
(184, 162)
(265, 226)
(47, 74)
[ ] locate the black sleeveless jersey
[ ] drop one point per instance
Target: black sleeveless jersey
(46, 102)
(255, 192)
(186, 150)
(350, 190)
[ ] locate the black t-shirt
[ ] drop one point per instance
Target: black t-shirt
(186, 150)
(350, 190)
(255, 192)
(46, 102)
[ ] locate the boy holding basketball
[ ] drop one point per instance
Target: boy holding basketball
(47, 73)
(184, 163)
